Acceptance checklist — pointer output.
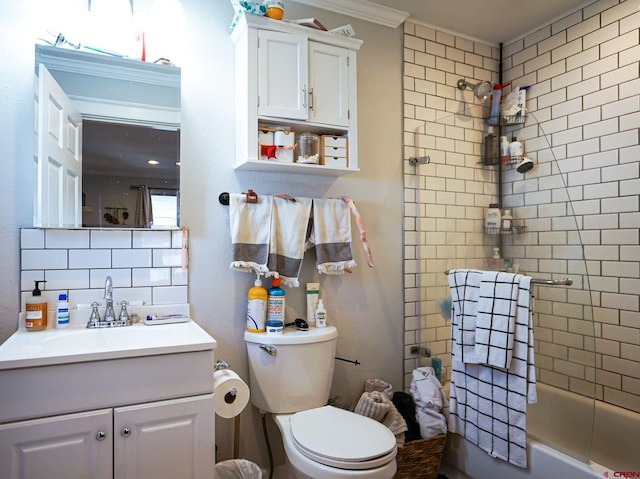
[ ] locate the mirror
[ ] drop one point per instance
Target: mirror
(129, 142)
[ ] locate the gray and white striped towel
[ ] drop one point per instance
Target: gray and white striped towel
(250, 227)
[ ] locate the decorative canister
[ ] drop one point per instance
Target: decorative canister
(309, 148)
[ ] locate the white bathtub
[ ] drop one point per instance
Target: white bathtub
(560, 429)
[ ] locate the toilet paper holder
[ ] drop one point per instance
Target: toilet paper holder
(220, 364)
(230, 396)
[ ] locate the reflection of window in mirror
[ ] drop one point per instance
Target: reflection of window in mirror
(164, 204)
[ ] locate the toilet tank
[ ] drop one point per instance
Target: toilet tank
(298, 373)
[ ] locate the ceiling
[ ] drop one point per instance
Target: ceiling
(492, 21)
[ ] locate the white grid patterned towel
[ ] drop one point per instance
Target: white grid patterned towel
(496, 320)
(250, 227)
(289, 221)
(465, 292)
(488, 405)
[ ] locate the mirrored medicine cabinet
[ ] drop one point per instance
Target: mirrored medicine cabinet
(106, 141)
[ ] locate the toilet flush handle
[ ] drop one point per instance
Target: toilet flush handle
(269, 349)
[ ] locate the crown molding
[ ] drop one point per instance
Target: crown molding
(362, 9)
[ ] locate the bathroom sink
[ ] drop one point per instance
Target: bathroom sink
(56, 346)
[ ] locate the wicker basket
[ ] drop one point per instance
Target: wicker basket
(420, 459)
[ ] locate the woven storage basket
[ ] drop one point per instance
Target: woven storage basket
(420, 459)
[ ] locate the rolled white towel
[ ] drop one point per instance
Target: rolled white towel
(371, 385)
(373, 405)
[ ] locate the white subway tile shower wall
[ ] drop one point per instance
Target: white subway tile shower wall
(584, 104)
(144, 265)
(445, 200)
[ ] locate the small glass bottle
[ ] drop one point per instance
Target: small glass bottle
(507, 221)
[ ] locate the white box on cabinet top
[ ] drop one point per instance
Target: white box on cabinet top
(287, 74)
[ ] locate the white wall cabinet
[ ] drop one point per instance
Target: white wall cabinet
(151, 440)
(298, 79)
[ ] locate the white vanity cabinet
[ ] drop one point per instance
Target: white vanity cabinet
(119, 403)
(162, 439)
(294, 78)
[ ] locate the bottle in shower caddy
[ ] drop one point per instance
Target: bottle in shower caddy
(493, 220)
(504, 150)
(507, 221)
(515, 149)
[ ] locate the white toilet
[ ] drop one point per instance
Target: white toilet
(290, 376)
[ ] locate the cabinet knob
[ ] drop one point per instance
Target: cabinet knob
(126, 432)
(101, 435)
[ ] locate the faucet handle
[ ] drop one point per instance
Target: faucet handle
(124, 314)
(94, 319)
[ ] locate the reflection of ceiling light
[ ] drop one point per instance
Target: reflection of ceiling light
(178, 163)
(153, 162)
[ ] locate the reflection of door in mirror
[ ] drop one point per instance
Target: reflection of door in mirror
(130, 118)
(59, 156)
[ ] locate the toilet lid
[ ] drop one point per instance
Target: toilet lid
(343, 439)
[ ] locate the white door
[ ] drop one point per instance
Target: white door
(329, 84)
(172, 439)
(58, 200)
(73, 446)
(283, 69)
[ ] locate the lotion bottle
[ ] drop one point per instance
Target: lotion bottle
(321, 315)
(492, 221)
(62, 312)
(507, 221)
(257, 307)
(36, 310)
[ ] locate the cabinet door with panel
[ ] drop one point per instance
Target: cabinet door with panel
(282, 75)
(170, 439)
(73, 446)
(328, 84)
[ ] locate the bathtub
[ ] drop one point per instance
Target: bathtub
(559, 438)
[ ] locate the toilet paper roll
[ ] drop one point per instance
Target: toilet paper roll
(230, 393)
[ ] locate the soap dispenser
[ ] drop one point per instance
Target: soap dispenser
(36, 310)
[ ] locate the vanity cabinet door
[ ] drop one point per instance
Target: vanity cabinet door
(73, 446)
(173, 439)
(282, 75)
(328, 84)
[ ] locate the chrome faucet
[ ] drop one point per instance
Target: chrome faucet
(109, 313)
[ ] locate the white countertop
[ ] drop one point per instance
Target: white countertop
(60, 346)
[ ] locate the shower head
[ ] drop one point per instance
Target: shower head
(525, 165)
(481, 90)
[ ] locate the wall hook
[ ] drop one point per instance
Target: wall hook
(421, 160)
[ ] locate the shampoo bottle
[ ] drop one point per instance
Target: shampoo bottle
(257, 307)
(62, 312)
(515, 149)
(36, 310)
(321, 315)
(275, 303)
(504, 150)
(492, 221)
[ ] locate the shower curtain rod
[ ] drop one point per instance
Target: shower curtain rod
(550, 282)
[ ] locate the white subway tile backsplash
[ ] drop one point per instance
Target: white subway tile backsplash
(89, 258)
(44, 259)
(132, 258)
(151, 277)
(31, 238)
(170, 294)
(619, 43)
(166, 257)
(68, 239)
(152, 239)
(67, 278)
(110, 239)
(120, 277)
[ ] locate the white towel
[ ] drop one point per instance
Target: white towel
(496, 320)
(289, 221)
(332, 236)
(374, 404)
(250, 227)
(384, 387)
(464, 285)
(432, 407)
(488, 404)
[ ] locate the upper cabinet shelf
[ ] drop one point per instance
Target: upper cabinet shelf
(296, 79)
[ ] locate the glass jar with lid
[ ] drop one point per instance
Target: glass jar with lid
(309, 148)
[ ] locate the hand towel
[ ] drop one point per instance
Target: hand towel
(488, 404)
(250, 227)
(464, 285)
(289, 221)
(496, 319)
(332, 236)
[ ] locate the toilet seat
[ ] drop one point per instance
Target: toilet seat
(342, 439)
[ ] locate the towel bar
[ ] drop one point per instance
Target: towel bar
(549, 282)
